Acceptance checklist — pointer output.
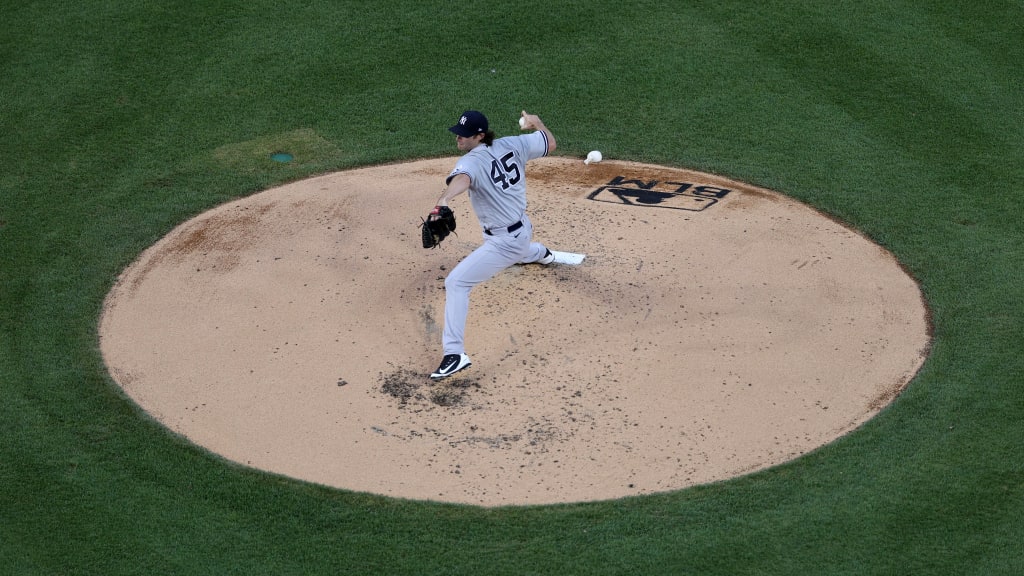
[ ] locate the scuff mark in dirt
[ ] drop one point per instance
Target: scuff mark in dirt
(411, 387)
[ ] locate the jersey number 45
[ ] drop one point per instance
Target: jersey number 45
(507, 172)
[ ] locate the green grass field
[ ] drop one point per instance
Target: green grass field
(119, 120)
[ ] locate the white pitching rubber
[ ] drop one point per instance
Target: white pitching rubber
(568, 258)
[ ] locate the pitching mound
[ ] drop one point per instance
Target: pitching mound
(713, 329)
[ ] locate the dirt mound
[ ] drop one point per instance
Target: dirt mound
(713, 329)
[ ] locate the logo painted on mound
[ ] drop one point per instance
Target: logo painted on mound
(653, 193)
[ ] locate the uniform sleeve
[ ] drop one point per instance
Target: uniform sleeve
(460, 168)
(536, 145)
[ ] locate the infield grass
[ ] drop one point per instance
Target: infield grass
(121, 119)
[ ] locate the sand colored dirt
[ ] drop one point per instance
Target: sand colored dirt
(714, 329)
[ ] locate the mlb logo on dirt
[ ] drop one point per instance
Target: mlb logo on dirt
(656, 194)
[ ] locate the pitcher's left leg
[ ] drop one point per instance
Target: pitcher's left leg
(481, 264)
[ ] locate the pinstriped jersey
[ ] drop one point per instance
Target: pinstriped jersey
(498, 177)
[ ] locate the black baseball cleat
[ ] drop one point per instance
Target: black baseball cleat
(451, 364)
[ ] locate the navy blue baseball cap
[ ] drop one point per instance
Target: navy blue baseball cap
(470, 124)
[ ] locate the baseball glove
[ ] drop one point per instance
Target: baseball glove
(437, 226)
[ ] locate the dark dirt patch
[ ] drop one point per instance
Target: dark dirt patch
(403, 385)
(410, 386)
(452, 391)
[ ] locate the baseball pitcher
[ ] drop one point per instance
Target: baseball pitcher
(493, 173)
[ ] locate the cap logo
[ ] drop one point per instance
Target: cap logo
(462, 120)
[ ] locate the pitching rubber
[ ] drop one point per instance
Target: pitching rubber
(568, 258)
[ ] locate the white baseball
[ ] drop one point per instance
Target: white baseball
(522, 122)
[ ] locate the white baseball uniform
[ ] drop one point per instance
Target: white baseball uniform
(497, 192)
